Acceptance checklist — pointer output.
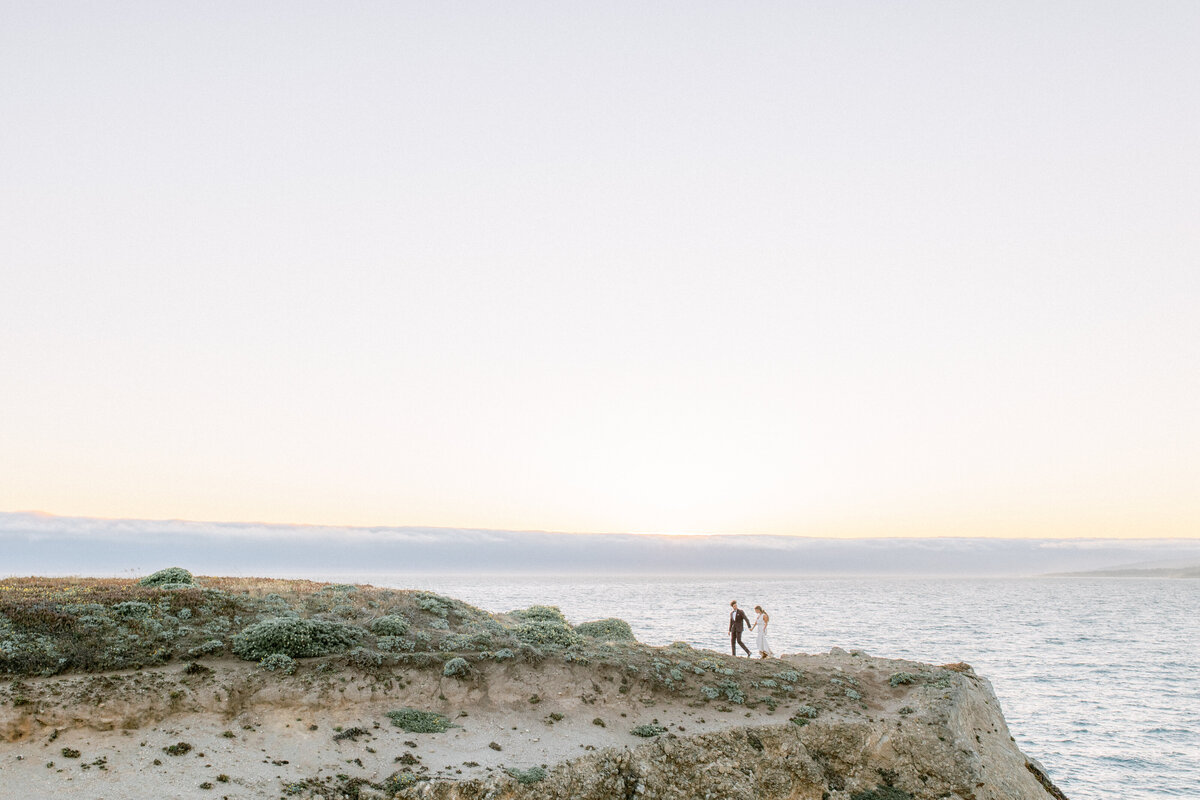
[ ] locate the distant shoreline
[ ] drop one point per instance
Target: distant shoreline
(1160, 572)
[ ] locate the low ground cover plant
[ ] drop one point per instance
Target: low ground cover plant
(531, 775)
(412, 720)
(295, 637)
(609, 630)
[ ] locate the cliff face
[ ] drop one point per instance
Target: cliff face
(837, 727)
(943, 739)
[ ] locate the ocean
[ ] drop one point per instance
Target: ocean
(1099, 679)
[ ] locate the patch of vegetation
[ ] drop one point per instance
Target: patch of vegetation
(169, 576)
(206, 649)
(68, 752)
(456, 668)
(413, 721)
(178, 749)
(547, 634)
(732, 691)
(279, 662)
(295, 637)
(803, 714)
(648, 730)
(903, 679)
(131, 609)
(608, 630)
(351, 733)
(531, 775)
(540, 614)
(390, 625)
(363, 658)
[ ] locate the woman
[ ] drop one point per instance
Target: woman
(760, 622)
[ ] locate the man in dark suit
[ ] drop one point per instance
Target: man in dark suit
(737, 619)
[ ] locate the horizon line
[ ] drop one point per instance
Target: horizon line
(453, 528)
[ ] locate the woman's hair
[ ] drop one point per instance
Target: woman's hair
(759, 608)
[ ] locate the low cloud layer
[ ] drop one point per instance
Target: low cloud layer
(39, 544)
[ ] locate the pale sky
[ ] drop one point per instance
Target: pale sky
(831, 269)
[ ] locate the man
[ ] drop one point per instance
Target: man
(737, 619)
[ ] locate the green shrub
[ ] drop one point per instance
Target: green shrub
(280, 662)
(411, 720)
(363, 658)
(170, 575)
(502, 654)
(903, 678)
(609, 630)
(395, 644)
(390, 625)
(789, 676)
(440, 606)
(531, 775)
(465, 641)
(131, 609)
(456, 668)
(540, 614)
(398, 781)
(804, 712)
(178, 749)
(732, 691)
(25, 654)
(298, 638)
(648, 730)
(207, 648)
(546, 634)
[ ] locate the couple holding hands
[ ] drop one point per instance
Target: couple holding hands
(738, 620)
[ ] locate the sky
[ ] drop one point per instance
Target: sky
(824, 269)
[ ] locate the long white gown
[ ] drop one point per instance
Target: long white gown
(763, 645)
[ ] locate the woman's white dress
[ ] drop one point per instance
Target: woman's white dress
(763, 645)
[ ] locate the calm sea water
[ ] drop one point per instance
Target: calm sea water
(1099, 679)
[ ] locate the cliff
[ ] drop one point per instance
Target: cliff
(585, 717)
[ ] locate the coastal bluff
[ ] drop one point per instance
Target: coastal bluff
(397, 694)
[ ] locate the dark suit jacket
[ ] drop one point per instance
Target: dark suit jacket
(737, 620)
